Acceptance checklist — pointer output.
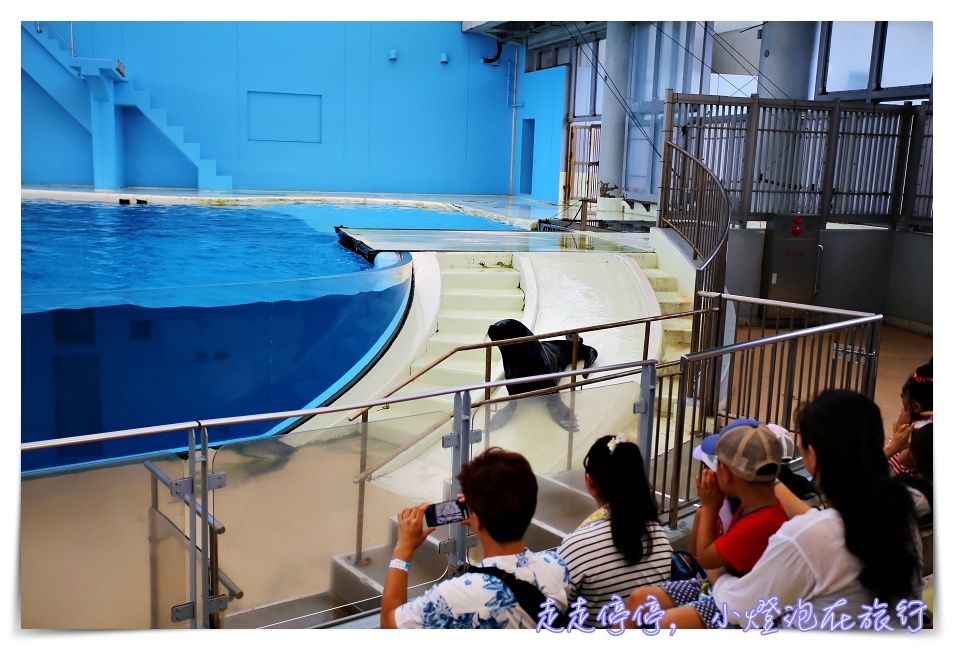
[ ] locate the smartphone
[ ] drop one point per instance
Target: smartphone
(445, 512)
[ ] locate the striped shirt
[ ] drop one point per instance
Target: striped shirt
(598, 570)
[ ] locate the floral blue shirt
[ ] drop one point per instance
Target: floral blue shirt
(478, 600)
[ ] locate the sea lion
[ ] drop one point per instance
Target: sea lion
(531, 358)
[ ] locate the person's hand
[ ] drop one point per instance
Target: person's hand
(411, 531)
(900, 439)
(707, 485)
(463, 522)
(904, 417)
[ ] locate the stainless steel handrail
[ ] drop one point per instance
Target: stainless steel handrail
(69, 44)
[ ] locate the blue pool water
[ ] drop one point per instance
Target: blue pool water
(143, 315)
(77, 247)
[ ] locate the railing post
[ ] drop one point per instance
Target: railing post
(461, 456)
(789, 390)
(362, 466)
(748, 169)
(831, 153)
(873, 350)
(665, 169)
(909, 199)
(677, 449)
(204, 496)
(193, 551)
(153, 557)
(647, 417)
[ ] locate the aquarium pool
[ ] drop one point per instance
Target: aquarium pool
(142, 315)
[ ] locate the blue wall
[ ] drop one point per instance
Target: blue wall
(543, 97)
(297, 106)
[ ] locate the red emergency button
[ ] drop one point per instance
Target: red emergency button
(797, 230)
(798, 221)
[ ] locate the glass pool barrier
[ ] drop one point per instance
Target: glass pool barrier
(286, 514)
(132, 359)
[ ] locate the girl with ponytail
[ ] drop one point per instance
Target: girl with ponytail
(622, 545)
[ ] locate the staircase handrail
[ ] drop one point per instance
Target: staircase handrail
(69, 44)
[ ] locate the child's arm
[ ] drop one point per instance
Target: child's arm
(705, 526)
(899, 441)
(790, 502)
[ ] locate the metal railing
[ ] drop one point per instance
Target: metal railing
(767, 378)
(69, 43)
(488, 346)
(695, 205)
(768, 366)
(206, 605)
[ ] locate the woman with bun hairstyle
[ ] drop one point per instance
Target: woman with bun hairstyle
(622, 545)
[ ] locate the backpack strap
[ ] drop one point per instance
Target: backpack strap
(528, 595)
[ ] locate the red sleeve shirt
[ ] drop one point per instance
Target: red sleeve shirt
(742, 544)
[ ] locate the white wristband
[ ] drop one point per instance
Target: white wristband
(400, 564)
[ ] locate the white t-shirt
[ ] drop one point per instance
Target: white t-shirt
(806, 561)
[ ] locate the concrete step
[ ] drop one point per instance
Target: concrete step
(673, 302)
(472, 322)
(499, 300)
(561, 507)
(677, 331)
(480, 278)
(442, 343)
(447, 374)
(363, 584)
(661, 280)
(475, 260)
(645, 260)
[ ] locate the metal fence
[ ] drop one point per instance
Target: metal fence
(767, 367)
(848, 162)
(584, 163)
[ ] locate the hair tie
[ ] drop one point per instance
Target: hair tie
(613, 442)
(919, 379)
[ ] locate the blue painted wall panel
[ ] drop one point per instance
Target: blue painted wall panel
(542, 95)
(410, 125)
(61, 155)
(151, 160)
(284, 117)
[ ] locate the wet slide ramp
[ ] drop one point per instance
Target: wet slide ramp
(457, 295)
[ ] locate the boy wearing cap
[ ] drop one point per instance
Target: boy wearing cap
(747, 456)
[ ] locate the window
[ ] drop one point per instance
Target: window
(588, 79)
(850, 56)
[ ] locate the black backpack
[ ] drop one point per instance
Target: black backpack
(527, 594)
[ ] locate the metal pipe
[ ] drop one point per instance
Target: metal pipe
(362, 466)
(206, 580)
(513, 123)
(193, 560)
